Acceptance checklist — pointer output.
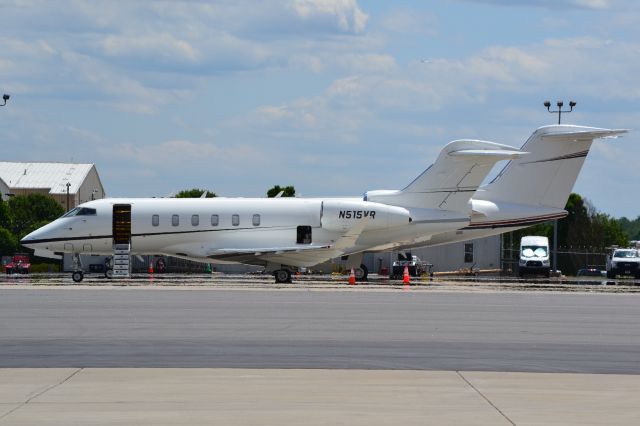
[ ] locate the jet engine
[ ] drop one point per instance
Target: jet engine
(341, 215)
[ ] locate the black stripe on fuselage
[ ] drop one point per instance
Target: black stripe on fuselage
(149, 234)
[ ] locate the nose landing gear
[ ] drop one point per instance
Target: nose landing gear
(77, 275)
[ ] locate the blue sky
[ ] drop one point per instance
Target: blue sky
(335, 97)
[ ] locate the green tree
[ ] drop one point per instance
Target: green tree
(584, 226)
(5, 215)
(287, 191)
(194, 193)
(631, 227)
(8, 243)
(29, 212)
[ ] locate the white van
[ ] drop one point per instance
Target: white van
(534, 256)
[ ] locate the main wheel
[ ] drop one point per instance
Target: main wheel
(282, 275)
(361, 273)
(77, 276)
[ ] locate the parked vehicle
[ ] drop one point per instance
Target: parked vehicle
(623, 262)
(415, 266)
(534, 256)
(19, 264)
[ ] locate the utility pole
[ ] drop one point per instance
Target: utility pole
(559, 111)
(68, 185)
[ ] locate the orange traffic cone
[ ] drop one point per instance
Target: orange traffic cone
(352, 277)
(151, 267)
(405, 275)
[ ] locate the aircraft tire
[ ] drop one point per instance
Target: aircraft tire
(361, 273)
(282, 275)
(108, 273)
(77, 276)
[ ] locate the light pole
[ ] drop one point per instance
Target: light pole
(5, 98)
(68, 185)
(559, 111)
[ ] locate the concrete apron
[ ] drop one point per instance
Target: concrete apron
(194, 396)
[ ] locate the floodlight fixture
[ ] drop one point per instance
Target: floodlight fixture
(559, 111)
(5, 98)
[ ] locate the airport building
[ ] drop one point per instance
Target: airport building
(69, 184)
(478, 254)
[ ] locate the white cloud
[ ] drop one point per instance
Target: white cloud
(553, 4)
(116, 52)
(345, 13)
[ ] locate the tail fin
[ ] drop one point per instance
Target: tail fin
(546, 176)
(449, 183)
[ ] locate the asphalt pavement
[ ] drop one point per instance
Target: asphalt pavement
(260, 329)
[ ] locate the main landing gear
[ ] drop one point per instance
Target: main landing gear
(282, 275)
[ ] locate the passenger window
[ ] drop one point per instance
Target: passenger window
(304, 235)
(235, 220)
(195, 220)
(155, 220)
(175, 220)
(214, 220)
(256, 220)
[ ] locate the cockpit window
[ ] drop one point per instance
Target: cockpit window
(80, 211)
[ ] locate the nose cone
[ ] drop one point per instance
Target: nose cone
(40, 236)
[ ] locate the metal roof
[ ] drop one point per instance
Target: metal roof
(52, 176)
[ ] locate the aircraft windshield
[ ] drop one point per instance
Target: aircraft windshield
(534, 251)
(80, 211)
(625, 253)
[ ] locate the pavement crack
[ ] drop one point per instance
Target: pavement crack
(485, 398)
(42, 392)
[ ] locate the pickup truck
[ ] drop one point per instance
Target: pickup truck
(623, 262)
(19, 264)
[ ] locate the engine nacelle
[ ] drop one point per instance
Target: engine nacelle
(339, 215)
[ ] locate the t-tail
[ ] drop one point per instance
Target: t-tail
(546, 175)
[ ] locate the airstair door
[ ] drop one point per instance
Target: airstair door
(121, 224)
(121, 231)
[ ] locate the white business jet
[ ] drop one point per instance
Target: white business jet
(282, 234)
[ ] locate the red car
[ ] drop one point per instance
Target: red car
(19, 264)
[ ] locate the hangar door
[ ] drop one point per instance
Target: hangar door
(121, 229)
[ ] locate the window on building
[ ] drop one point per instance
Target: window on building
(195, 220)
(304, 235)
(175, 220)
(468, 253)
(155, 220)
(235, 220)
(214, 220)
(256, 220)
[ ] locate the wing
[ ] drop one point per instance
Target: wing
(301, 256)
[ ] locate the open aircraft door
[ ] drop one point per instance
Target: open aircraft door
(121, 231)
